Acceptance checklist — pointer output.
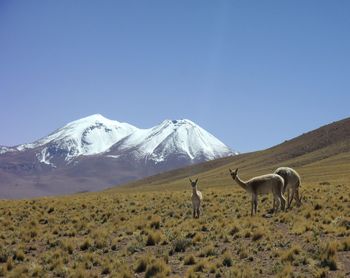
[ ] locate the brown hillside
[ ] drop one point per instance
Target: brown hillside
(312, 149)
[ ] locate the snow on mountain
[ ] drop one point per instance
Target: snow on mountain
(90, 135)
(4, 149)
(96, 134)
(94, 153)
(176, 137)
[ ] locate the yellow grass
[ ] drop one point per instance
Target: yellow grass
(146, 229)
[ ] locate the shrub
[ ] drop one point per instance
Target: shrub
(199, 267)
(157, 267)
(189, 260)
(3, 256)
(19, 255)
(197, 238)
(135, 246)
(227, 261)
(153, 238)
(329, 262)
(141, 265)
(155, 223)
(180, 245)
(289, 255)
(208, 251)
(100, 243)
(328, 256)
(85, 246)
(234, 230)
(345, 245)
(258, 234)
(317, 207)
(106, 270)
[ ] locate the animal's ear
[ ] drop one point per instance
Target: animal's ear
(190, 180)
(236, 171)
(230, 170)
(196, 180)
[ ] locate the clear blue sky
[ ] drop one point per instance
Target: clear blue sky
(253, 73)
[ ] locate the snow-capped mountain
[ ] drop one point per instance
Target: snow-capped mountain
(91, 135)
(181, 138)
(94, 152)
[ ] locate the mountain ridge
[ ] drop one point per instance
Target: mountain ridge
(316, 148)
(113, 151)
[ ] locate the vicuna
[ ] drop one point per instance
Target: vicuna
(196, 199)
(291, 181)
(270, 183)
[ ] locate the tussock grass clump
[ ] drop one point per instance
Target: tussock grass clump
(135, 246)
(243, 253)
(155, 222)
(287, 271)
(234, 230)
(100, 243)
(106, 270)
(257, 234)
(18, 255)
(85, 245)
(189, 260)
(328, 253)
(317, 207)
(197, 238)
(3, 255)
(157, 268)
(68, 246)
(3, 271)
(141, 264)
(200, 266)
(227, 260)
(180, 245)
(290, 254)
(208, 251)
(153, 238)
(344, 245)
(9, 264)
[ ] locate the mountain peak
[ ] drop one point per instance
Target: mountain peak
(173, 138)
(96, 134)
(105, 152)
(93, 119)
(177, 123)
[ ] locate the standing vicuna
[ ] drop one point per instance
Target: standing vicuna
(262, 185)
(291, 181)
(196, 199)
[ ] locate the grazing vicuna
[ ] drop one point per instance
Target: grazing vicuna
(196, 199)
(262, 185)
(291, 181)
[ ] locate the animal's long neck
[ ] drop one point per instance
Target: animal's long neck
(194, 190)
(241, 183)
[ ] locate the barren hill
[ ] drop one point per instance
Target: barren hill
(322, 152)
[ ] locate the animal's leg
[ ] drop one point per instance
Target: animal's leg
(252, 208)
(291, 198)
(198, 212)
(273, 203)
(255, 203)
(297, 197)
(277, 203)
(283, 201)
(194, 211)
